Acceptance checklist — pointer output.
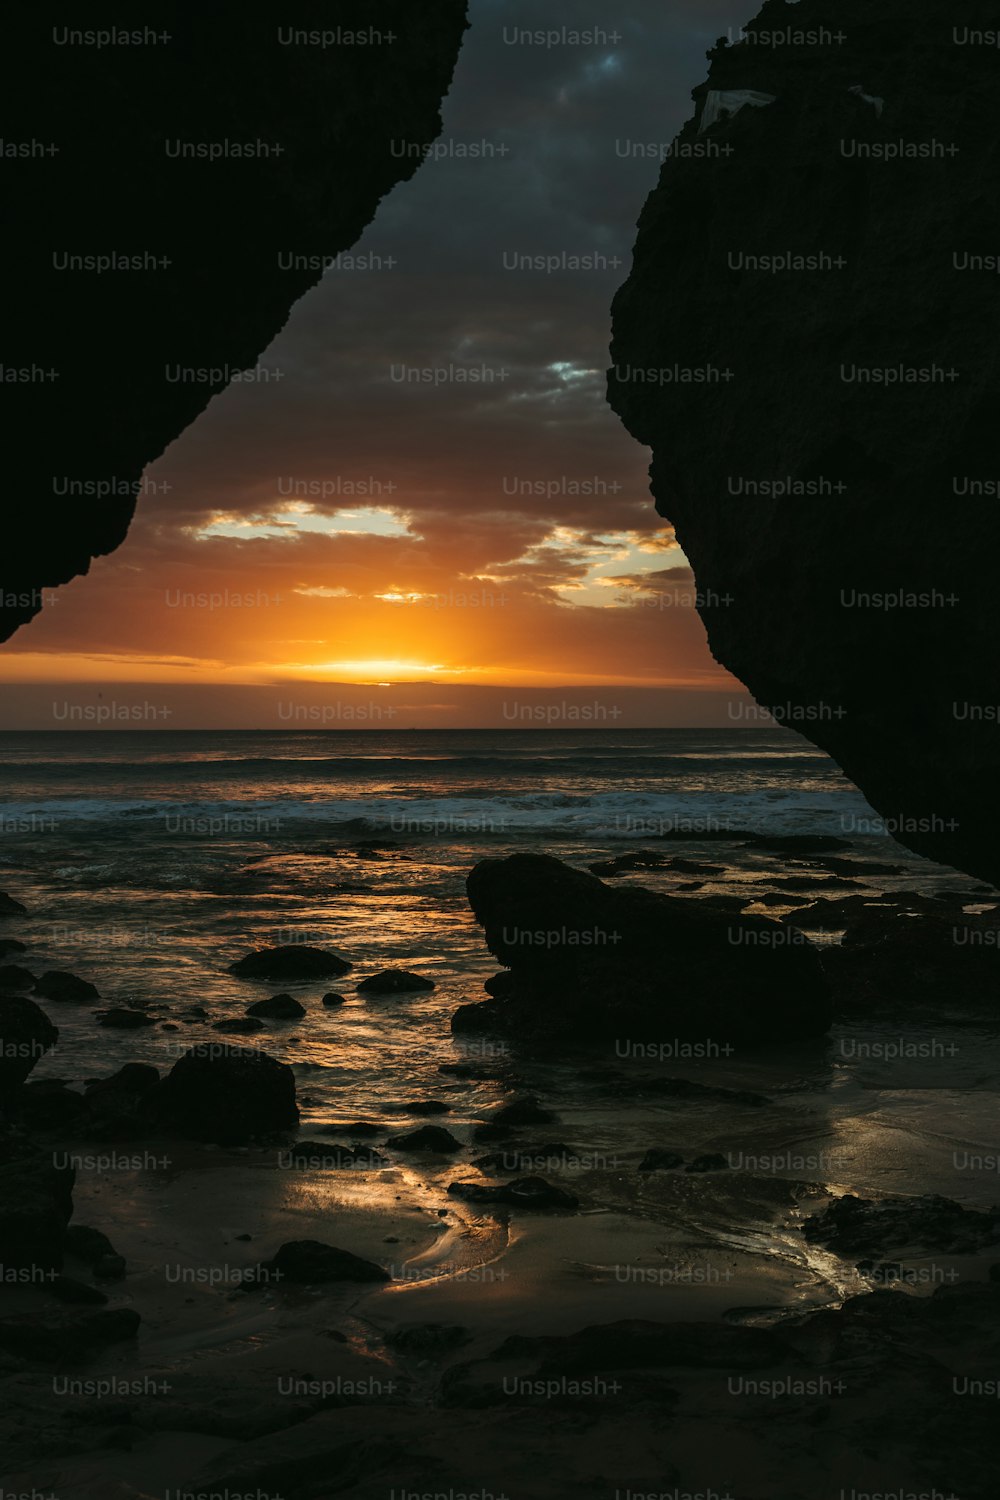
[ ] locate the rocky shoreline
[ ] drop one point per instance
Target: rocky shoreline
(635, 1397)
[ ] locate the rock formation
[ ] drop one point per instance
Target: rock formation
(204, 146)
(808, 343)
(592, 962)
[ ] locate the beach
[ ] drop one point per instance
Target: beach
(149, 883)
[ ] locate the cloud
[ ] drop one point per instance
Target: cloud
(373, 463)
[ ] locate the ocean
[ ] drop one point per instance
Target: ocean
(149, 861)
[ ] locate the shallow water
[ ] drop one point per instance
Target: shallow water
(152, 861)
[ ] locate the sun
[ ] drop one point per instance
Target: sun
(382, 668)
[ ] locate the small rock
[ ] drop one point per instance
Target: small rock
(331, 998)
(525, 1111)
(279, 1007)
(394, 982)
(239, 1025)
(124, 1020)
(303, 1262)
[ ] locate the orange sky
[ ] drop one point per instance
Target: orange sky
(335, 521)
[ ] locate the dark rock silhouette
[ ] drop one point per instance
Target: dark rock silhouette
(115, 1105)
(26, 1034)
(290, 961)
(394, 982)
(88, 393)
(902, 1226)
(36, 1204)
(304, 1262)
(57, 984)
(883, 498)
(120, 1018)
(224, 1094)
(278, 1007)
(590, 961)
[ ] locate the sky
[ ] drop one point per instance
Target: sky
(341, 525)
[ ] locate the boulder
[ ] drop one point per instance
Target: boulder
(225, 1094)
(26, 1034)
(311, 1262)
(332, 999)
(512, 1116)
(427, 1138)
(36, 1204)
(291, 961)
(15, 977)
(115, 1104)
(594, 962)
(278, 1007)
(49, 1105)
(56, 984)
(908, 951)
(394, 982)
(353, 1128)
(921, 1225)
(120, 1018)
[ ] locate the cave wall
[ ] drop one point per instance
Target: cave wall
(902, 694)
(91, 136)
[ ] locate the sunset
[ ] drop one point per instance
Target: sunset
(328, 521)
(499, 927)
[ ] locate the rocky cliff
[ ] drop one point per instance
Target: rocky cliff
(154, 174)
(808, 343)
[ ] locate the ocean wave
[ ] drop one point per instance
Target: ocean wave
(618, 814)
